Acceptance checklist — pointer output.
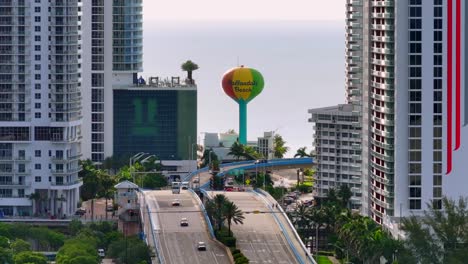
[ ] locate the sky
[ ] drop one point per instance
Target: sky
(244, 10)
(298, 46)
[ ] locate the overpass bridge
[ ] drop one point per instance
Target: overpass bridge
(266, 237)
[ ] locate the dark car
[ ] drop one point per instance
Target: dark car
(80, 211)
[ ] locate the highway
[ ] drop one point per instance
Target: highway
(259, 238)
(179, 244)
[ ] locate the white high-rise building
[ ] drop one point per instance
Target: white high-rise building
(112, 57)
(415, 111)
(337, 142)
(406, 64)
(40, 108)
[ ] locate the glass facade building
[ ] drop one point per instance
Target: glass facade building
(162, 122)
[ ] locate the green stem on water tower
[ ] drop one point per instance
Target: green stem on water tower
(243, 122)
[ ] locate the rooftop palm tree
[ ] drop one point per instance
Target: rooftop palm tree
(233, 213)
(189, 67)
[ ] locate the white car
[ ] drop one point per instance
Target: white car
(201, 246)
(101, 253)
(176, 202)
(183, 222)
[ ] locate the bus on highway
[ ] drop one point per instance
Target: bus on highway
(176, 187)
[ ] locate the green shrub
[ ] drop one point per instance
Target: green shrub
(228, 241)
(237, 255)
(326, 253)
(234, 250)
(241, 260)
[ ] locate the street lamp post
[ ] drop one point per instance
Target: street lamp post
(209, 157)
(133, 159)
(346, 252)
(256, 172)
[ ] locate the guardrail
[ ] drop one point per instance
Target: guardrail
(152, 230)
(205, 214)
(155, 238)
(291, 226)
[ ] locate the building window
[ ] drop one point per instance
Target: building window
(37, 179)
(37, 115)
(37, 19)
(415, 204)
(37, 166)
(37, 153)
(37, 9)
(37, 105)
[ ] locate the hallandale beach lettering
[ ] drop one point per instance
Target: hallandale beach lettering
(237, 85)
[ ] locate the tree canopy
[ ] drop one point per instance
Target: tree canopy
(280, 147)
(440, 236)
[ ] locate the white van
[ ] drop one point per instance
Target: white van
(101, 253)
(175, 187)
(185, 185)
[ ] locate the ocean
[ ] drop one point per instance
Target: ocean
(302, 63)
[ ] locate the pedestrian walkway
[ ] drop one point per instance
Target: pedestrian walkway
(100, 213)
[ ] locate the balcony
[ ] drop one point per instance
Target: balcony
(381, 192)
(383, 38)
(385, 86)
(381, 203)
(383, 121)
(14, 184)
(382, 3)
(382, 27)
(384, 181)
(79, 182)
(383, 62)
(382, 145)
(382, 109)
(387, 15)
(64, 159)
(387, 99)
(382, 74)
(66, 171)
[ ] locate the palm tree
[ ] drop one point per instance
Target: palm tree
(280, 147)
(233, 213)
(345, 194)
(36, 198)
(206, 157)
(219, 201)
(189, 67)
(237, 150)
(250, 153)
(301, 153)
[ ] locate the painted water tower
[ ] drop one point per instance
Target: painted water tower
(242, 84)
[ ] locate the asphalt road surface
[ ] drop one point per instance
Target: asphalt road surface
(178, 243)
(259, 238)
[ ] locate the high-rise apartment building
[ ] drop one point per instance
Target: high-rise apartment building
(337, 142)
(337, 138)
(406, 64)
(414, 98)
(40, 108)
(112, 53)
